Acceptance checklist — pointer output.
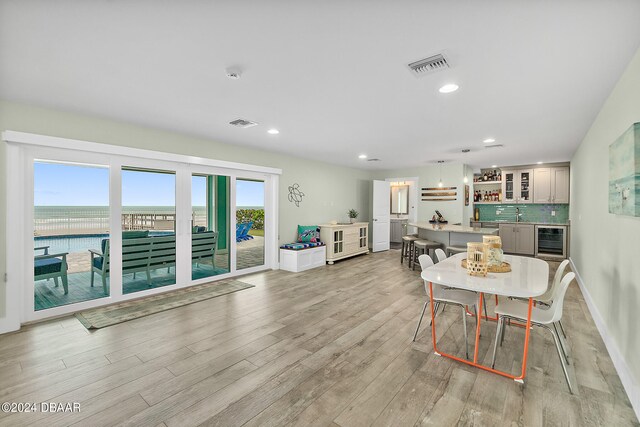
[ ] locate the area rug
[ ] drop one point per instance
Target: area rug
(111, 315)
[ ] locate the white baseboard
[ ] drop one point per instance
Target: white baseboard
(631, 384)
(8, 325)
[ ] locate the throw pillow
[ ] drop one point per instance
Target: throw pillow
(308, 233)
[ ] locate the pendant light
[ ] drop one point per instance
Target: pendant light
(465, 179)
(440, 162)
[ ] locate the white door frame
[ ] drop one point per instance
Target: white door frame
(23, 148)
(413, 199)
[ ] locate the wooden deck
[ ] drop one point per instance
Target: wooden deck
(327, 347)
(250, 254)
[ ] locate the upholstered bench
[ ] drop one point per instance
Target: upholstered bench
(297, 257)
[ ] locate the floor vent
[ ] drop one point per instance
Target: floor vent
(428, 65)
(242, 123)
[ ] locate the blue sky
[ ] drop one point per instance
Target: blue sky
(72, 185)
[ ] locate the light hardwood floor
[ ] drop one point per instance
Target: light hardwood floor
(331, 346)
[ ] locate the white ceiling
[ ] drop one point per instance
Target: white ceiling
(331, 75)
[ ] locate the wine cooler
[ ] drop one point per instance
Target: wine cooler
(551, 241)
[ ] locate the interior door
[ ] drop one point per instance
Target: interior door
(381, 216)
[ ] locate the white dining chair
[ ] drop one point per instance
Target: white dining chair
(440, 255)
(547, 298)
(547, 319)
(447, 296)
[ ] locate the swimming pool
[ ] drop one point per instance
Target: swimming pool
(77, 242)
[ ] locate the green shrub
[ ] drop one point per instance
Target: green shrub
(255, 215)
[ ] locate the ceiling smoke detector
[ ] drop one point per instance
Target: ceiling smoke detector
(466, 150)
(242, 123)
(428, 65)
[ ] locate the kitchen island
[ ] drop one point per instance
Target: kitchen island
(452, 235)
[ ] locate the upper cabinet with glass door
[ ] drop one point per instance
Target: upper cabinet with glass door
(517, 186)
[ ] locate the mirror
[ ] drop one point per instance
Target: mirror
(400, 199)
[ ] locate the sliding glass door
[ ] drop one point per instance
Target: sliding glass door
(100, 228)
(250, 224)
(70, 225)
(210, 254)
(148, 229)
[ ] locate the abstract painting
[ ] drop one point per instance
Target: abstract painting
(624, 173)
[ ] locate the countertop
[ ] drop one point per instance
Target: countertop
(525, 222)
(453, 228)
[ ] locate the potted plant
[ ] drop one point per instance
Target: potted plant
(353, 214)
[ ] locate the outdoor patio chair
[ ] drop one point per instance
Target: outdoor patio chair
(51, 266)
(242, 231)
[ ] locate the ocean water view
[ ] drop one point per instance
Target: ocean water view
(72, 220)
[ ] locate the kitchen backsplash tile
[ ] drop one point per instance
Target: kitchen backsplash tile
(529, 213)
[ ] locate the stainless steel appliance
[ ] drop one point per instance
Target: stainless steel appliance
(551, 241)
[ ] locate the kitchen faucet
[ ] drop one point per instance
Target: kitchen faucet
(517, 214)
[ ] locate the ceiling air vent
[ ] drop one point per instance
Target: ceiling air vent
(494, 146)
(242, 123)
(373, 160)
(428, 65)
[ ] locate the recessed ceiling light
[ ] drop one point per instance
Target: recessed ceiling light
(494, 166)
(489, 140)
(539, 163)
(362, 156)
(448, 88)
(273, 131)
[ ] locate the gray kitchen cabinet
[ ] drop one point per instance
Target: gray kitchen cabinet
(551, 185)
(560, 185)
(507, 234)
(542, 190)
(525, 239)
(517, 238)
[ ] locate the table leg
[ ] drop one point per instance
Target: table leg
(475, 351)
(433, 320)
(527, 332)
(475, 363)
(486, 315)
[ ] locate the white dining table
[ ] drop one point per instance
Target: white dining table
(528, 279)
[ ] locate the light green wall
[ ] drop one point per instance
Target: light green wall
(428, 176)
(605, 247)
(329, 190)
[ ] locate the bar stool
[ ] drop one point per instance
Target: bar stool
(407, 248)
(452, 250)
(422, 246)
